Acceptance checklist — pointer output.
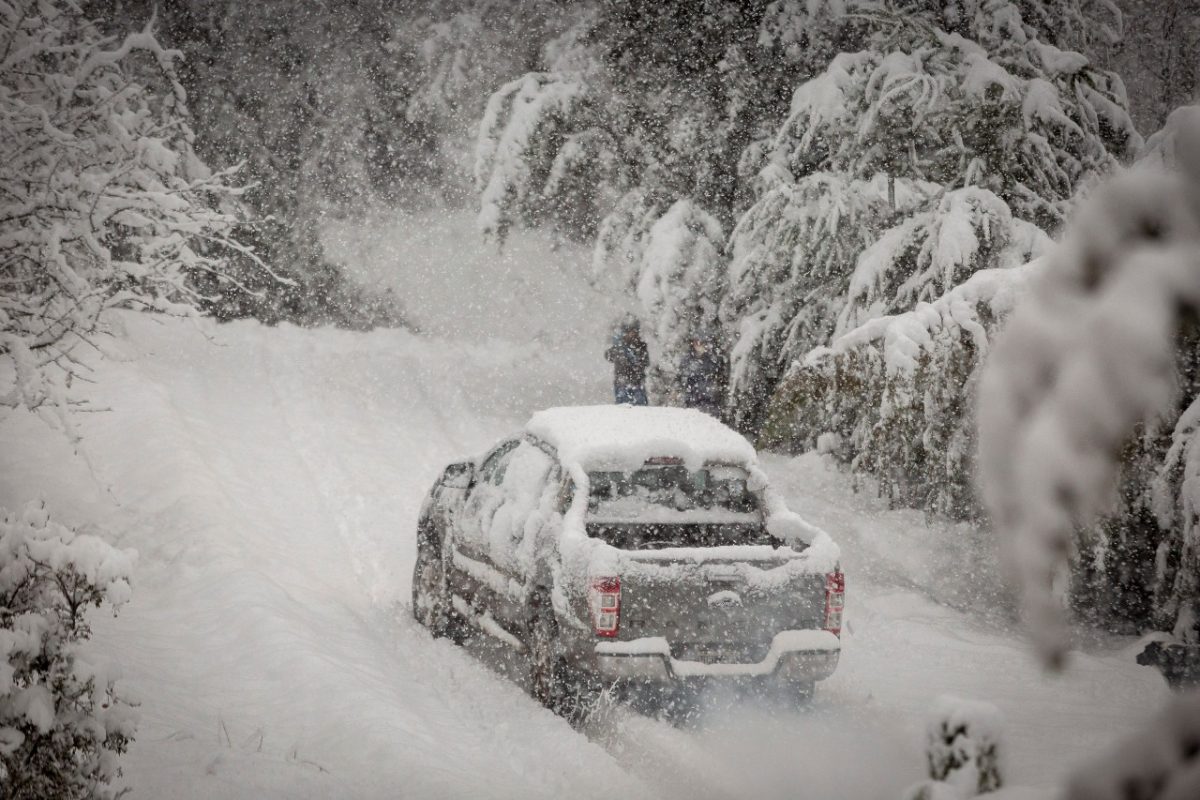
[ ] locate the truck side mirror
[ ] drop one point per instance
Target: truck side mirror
(460, 475)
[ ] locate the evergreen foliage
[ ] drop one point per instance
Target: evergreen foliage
(62, 721)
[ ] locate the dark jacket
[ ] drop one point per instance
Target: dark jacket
(701, 376)
(630, 359)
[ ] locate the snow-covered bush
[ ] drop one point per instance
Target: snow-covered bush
(62, 721)
(962, 744)
(962, 750)
(103, 203)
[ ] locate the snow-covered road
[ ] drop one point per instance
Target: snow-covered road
(271, 478)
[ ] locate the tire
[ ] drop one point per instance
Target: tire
(553, 682)
(432, 606)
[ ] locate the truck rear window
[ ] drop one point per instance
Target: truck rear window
(672, 494)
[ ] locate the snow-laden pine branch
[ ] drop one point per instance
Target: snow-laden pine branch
(1089, 355)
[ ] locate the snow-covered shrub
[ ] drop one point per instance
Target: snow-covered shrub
(962, 745)
(962, 750)
(103, 202)
(62, 721)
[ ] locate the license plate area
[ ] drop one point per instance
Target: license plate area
(720, 652)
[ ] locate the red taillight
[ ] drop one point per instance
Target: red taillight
(835, 598)
(604, 599)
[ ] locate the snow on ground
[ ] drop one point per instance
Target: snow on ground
(271, 479)
(903, 648)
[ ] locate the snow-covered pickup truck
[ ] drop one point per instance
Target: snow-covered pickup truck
(620, 543)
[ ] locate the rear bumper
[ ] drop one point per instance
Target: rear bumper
(794, 655)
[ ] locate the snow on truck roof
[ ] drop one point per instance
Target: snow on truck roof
(624, 437)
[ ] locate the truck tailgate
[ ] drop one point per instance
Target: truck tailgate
(715, 611)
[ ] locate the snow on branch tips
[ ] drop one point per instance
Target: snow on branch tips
(62, 721)
(680, 279)
(1088, 356)
(963, 750)
(792, 256)
(103, 203)
(516, 148)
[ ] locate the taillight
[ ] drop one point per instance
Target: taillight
(604, 598)
(835, 598)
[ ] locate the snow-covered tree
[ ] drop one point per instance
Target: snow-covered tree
(981, 132)
(670, 97)
(792, 256)
(306, 101)
(680, 282)
(1157, 57)
(988, 105)
(621, 238)
(517, 154)
(1090, 354)
(934, 250)
(63, 722)
(461, 53)
(896, 393)
(103, 203)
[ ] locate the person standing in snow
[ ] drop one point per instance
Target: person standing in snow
(700, 373)
(629, 358)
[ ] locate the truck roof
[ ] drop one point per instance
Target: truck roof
(622, 437)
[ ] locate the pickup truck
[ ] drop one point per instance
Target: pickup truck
(623, 544)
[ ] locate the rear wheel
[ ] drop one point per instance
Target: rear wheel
(432, 606)
(553, 682)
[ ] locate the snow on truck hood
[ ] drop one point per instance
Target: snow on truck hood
(623, 437)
